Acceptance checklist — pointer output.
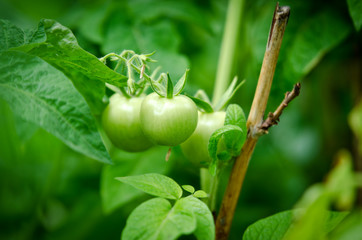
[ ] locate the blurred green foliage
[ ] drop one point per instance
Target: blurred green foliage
(50, 192)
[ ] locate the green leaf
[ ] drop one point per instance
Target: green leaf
(43, 96)
(205, 229)
(318, 35)
(157, 219)
(229, 94)
(315, 221)
(235, 116)
(154, 184)
(180, 85)
(115, 194)
(234, 133)
(272, 228)
(341, 181)
(61, 50)
(200, 194)
(201, 104)
(188, 188)
(276, 226)
(355, 10)
(349, 228)
(169, 87)
(10, 35)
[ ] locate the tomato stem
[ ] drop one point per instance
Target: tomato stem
(228, 46)
(169, 87)
(213, 191)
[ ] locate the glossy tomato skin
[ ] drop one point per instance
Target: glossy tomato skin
(168, 121)
(121, 122)
(196, 147)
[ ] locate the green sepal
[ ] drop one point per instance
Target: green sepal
(228, 95)
(158, 88)
(201, 94)
(201, 104)
(180, 85)
(169, 87)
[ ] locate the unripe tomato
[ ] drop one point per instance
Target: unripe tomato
(196, 147)
(168, 121)
(121, 122)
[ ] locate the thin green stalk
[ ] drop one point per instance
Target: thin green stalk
(228, 46)
(213, 191)
(205, 177)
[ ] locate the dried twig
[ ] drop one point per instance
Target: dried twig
(255, 119)
(273, 118)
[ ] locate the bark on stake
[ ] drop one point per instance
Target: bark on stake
(255, 119)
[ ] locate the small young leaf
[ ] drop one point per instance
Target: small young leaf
(188, 188)
(156, 219)
(154, 184)
(235, 116)
(169, 87)
(216, 137)
(201, 104)
(200, 194)
(228, 95)
(234, 141)
(180, 85)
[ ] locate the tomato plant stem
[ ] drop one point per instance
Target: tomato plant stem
(213, 191)
(228, 46)
(205, 179)
(224, 68)
(255, 119)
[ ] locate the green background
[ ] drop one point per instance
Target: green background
(48, 191)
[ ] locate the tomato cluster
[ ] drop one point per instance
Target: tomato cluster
(121, 122)
(135, 124)
(164, 117)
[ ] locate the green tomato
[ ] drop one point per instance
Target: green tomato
(121, 122)
(168, 121)
(196, 147)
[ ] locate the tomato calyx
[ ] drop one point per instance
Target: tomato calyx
(203, 102)
(164, 87)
